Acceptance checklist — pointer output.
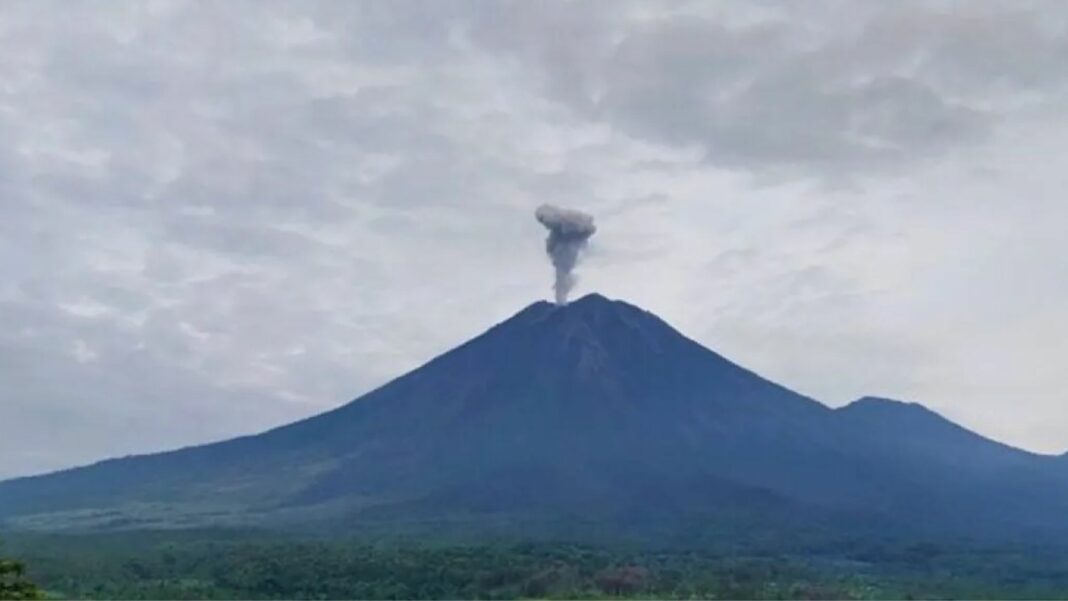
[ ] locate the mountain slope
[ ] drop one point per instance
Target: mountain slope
(911, 428)
(947, 475)
(589, 416)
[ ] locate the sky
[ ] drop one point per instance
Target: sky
(219, 217)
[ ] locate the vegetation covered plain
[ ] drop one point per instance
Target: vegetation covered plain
(195, 566)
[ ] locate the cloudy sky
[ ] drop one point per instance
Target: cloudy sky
(218, 217)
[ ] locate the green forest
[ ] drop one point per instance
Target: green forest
(173, 566)
(13, 582)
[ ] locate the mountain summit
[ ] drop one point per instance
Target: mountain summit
(574, 420)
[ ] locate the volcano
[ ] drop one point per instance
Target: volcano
(592, 419)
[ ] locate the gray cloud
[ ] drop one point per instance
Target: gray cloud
(218, 217)
(818, 90)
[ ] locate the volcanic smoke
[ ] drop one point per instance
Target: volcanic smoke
(569, 232)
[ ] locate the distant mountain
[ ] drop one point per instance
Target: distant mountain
(914, 430)
(595, 419)
(944, 475)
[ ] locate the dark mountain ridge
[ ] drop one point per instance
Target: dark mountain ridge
(587, 417)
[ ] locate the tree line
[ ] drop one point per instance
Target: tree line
(13, 582)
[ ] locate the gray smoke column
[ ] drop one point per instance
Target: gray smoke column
(569, 231)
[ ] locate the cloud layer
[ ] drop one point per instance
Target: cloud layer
(218, 217)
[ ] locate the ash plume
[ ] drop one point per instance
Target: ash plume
(569, 231)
